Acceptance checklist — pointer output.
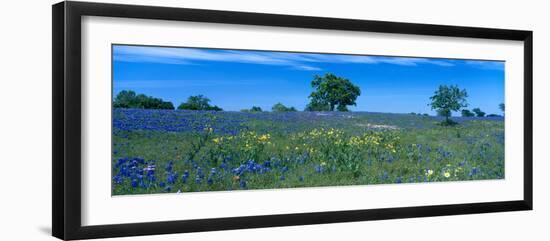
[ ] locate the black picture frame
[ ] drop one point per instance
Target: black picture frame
(66, 75)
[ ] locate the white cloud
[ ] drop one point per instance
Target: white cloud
(178, 83)
(307, 68)
(492, 65)
(295, 60)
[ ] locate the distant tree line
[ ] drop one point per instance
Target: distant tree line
(447, 99)
(331, 93)
(129, 99)
(198, 102)
(477, 112)
(253, 109)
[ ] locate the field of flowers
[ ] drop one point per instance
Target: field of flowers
(156, 151)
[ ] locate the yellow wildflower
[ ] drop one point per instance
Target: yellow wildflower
(429, 172)
(263, 138)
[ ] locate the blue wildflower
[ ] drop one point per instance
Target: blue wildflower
(117, 179)
(185, 176)
(198, 180)
(319, 169)
(172, 177)
(169, 166)
(242, 183)
(474, 171)
(398, 180)
(385, 175)
(199, 172)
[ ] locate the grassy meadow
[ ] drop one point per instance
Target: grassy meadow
(161, 151)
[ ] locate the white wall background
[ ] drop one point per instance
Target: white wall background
(25, 120)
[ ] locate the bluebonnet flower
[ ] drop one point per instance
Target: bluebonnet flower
(150, 172)
(134, 183)
(319, 169)
(398, 180)
(162, 184)
(169, 166)
(171, 178)
(282, 178)
(384, 175)
(168, 189)
(242, 183)
(301, 178)
(198, 180)
(239, 170)
(118, 179)
(210, 179)
(199, 172)
(120, 162)
(474, 171)
(185, 176)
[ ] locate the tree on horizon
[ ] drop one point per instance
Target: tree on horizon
(279, 107)
(478, 112)
(467, 113)
(447, 99)
(332, 92)
(129, 99)
(198, 102)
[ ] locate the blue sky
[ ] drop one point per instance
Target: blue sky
(238, 79)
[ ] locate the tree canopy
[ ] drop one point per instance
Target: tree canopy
(279, 107)
(332, 92)
(129, 99)
(478, 112)
(501, 107)
(447, 99)
(198, 102)
(467, 113)
(253, 109)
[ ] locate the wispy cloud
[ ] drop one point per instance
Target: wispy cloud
(491, 65)
(298, 61)
(307, 68)
(173, 84)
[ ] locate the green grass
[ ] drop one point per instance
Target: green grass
(365, 149)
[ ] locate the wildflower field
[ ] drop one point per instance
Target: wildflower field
(158, 151)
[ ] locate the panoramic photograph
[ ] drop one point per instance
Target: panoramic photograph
(200, 119)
